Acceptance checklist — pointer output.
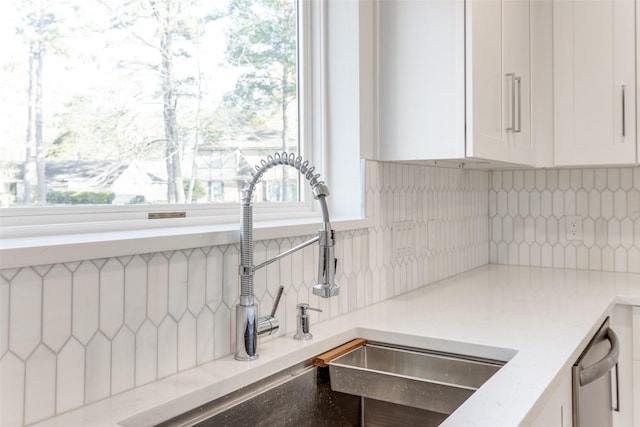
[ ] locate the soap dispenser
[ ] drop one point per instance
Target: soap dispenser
(303, 333)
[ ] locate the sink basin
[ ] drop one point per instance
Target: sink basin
(375, 384)
(417, 378)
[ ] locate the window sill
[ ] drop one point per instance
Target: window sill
(50, 249)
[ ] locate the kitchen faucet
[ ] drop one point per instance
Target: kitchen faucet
(248, 325)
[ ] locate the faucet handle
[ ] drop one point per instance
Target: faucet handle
(277, 302)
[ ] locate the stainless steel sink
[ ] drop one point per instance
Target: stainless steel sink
(373, 385)
(417, 378)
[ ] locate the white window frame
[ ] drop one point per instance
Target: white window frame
(47, 221)
(342, 134)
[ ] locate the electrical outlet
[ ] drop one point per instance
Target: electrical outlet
(574, 227)
(403, 239)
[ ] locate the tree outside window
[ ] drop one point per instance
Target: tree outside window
(145, 101)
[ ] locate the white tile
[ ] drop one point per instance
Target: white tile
(135, 293)
(600, 179)
(503, 203)
(205, 336)
(187, 353)
(633, 203)
(40, 386)
(569, 203)
(512, 202)
(523, 254)
(167, 348)
(564, 179)
(601, 233)
(546, 203)
(570, 257)
(230, 280)
(546, 252)
(582, 203)
(558, 204)
(588, 179)
(620, 260)
(529, 230)
(558, 256)
(215, 270)
(607, 204)
(523, 203)
(507, 180)
(552, 231)
(507, 229)
(24, 323)
(178, 276)
(634, 260)
(595, 259)
(123, 361)
(98, 368)
(111, 297)
(535, 203)
(11, 391)
(56, 307)
(70, 377)
(297, 264)
(259, 276)
(146, 353)
(541, 230)
(588, 231)
(626, 233)
(594, 204)
(583, 258)
(608, 262)
(552, 179)
(613, 178)
(158, 288)
(620, 204)
(626, 178)
(541, 179)
(529, 180)
(197, 281)
(4, 315)
(223, 325)
(86, 301)
(575, 179)
(613, 233)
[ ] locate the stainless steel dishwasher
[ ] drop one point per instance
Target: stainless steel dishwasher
(593, 401)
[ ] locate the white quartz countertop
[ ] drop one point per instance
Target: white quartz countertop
(538, 318)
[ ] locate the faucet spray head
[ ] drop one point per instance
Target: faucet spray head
(327, 263)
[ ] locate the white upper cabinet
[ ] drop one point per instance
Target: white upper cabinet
(454, 80)
(594, 82)
(421, 79)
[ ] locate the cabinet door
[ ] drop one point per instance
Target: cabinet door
(421, 79)
(516, 59)
(486, 82)
(498, 79)
(557, 410)
(594, 82)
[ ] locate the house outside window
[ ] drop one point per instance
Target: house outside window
(146, 102)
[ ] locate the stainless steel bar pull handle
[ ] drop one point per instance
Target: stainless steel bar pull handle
(512, 76)
(518, 81)
(624, 130)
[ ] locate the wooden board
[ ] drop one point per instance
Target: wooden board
(324, 359)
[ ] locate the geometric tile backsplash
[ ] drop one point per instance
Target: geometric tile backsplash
(77, 332)
(528, 212)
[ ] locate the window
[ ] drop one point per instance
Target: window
(151, 102)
